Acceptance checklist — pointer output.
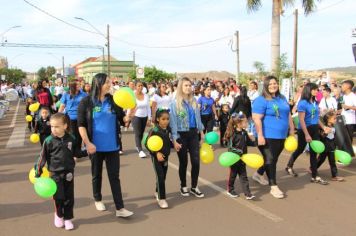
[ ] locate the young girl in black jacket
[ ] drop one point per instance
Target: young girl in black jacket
(58, 151)
(238, 140)
(160, 158)
(43, 126)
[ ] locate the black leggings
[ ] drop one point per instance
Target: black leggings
(330, 153)
(270, 152)
(239, 168)
(160, 168)
(139, 125)
(190, 142)
(313, 131)
(78, 139)
(208, 122)
(112, 162)
(64, 196)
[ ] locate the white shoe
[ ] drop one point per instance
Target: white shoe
(100, 206)
(276, 192)
(121, 152)
(123, 213)
(141, 154)
(259, 178)
(163, 203)
(156, 196)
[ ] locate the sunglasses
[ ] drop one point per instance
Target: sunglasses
(239, 115)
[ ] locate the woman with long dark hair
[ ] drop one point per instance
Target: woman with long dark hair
(99, 120)
(186, 127)
(242, 103)
(43, 95)
(271, 114)
(207, 108)
(308, 130)
(69, 105)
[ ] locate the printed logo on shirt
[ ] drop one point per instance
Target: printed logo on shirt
(69, 145)
(97, 109)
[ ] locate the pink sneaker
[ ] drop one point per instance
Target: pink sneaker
(68, 225)
(58, 222)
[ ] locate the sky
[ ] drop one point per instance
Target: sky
(143, 25)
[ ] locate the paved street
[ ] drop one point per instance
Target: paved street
(308, 209)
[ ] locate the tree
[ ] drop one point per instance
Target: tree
(46, 73)
(284, 69)
(13, 75)
(153, 74)
(260, 69)
(277, 10)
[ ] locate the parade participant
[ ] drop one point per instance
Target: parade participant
(242, 103)
(271, 115)
(86, 89)
(207, 108)
(99, 120)
(253, 91)
(160, 99)
(226, 98)
(43, 126)
(43, 95)
(186, 127)
(224, 118)
(327, 103)
(30, 124)
(349, 106)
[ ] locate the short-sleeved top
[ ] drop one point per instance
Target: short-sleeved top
(71, 104)
(104, 127)
(162, 102)
(206, 105)
(275, 111)
(350, 115)
(311, 111)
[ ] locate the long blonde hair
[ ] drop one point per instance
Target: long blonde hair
(180, 96)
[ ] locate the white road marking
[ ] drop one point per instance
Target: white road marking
(245, 203)
(17, 138)
(15, 115)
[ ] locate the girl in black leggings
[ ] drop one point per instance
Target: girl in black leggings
(308, 130)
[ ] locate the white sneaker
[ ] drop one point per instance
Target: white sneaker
(123, 213)
(121, 152)
(163, 203)
(156, 196)
(259, 178)
(100, 206)
(276, 192)
(141, 154)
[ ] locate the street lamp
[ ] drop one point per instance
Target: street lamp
(107, 37)
(3, 33)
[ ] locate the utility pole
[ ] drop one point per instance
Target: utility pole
(295, 49)
(237, 50)
(63, 70)
(108, 45)
(133, 62)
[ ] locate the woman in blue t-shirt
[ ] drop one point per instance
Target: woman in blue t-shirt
(271, 114)
(207, 110)
(308, 130)
(99, 120)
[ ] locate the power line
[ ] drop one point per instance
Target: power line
(29, 45)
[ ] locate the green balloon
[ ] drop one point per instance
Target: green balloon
(343, 157)
(227, 159)
(296, 121)
(317, 146)
(128, 90)
(58, 104)
(45, 187)
(211, 138)
(144, 138)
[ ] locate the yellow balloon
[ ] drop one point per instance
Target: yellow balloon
(28, 118)
(291, 144)
(32, 173)
(34, 138)
(123, 98)
(154, 143)
(34, 107)
(253, 160)
(206, 153)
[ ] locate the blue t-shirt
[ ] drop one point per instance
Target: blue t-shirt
(311, 111)
(72, 104)
(206, 105)
(275, 122)
(104, 127)
(191, 115)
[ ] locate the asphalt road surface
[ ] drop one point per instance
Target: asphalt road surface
(308, 209)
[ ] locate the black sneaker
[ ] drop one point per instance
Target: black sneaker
(319, 181)
(184, 192)
(250, 197)
(232, 193)
(196, 192)
(291, 172)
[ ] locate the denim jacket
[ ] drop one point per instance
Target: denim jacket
(179, 121)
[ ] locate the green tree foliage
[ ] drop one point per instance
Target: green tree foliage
(260, 69)
(46, 73)
(13, 75)
(152, 74)
(284, 68)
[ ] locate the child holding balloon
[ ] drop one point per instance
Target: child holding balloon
(238, 140)
(329, 119)
(58, 151)
(43, 126)
(30, 124)
(160, 157)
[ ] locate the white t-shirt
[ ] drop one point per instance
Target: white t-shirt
(350, 115)
(162, 102)
(328, 104)
(252, 94)
(58, 90)
(214, 94)
(226, 100)
(143, 108)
